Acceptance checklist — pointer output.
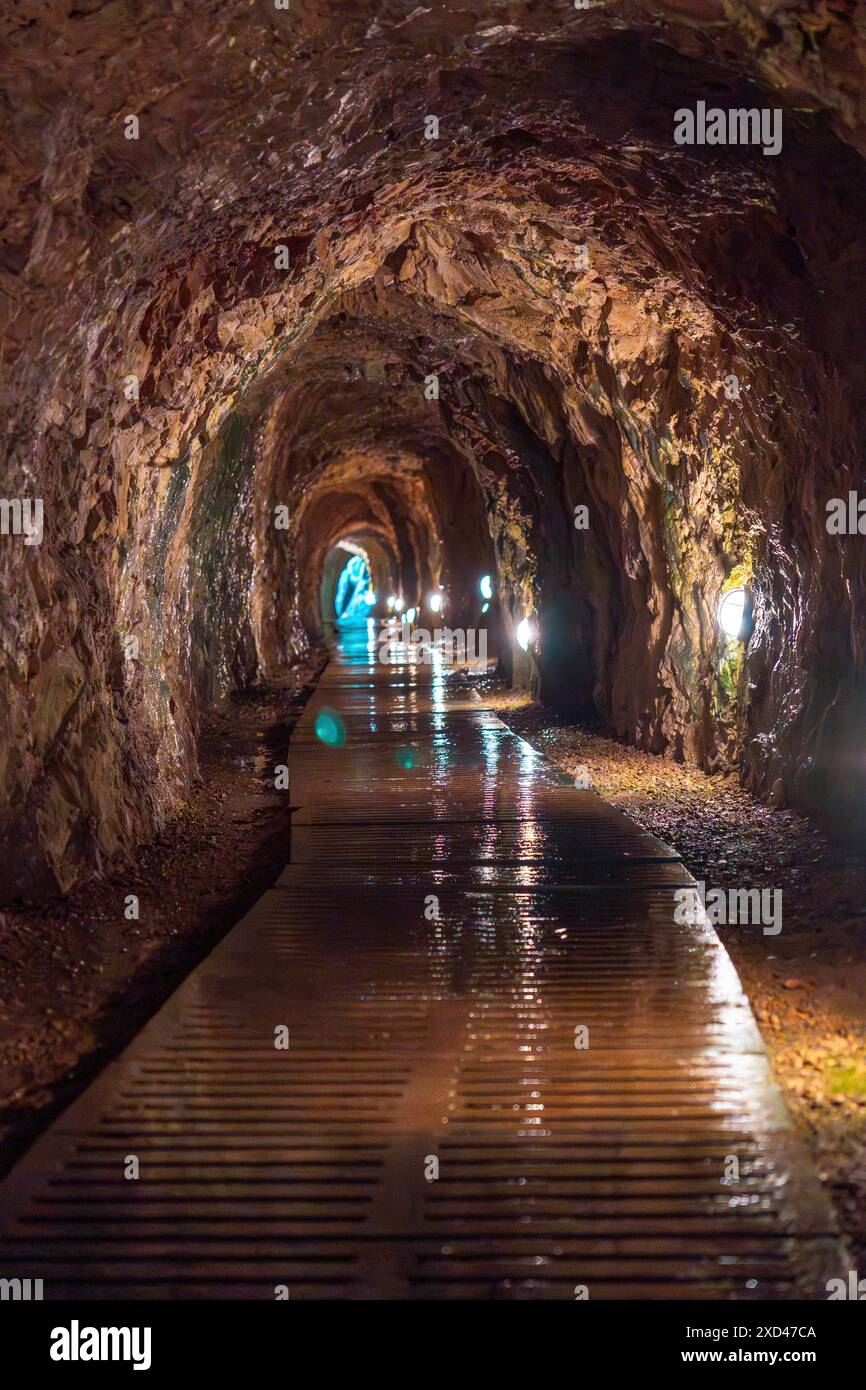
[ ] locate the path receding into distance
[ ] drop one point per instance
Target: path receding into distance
(415, 1041)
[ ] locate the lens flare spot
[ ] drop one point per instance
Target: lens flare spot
(330, 728)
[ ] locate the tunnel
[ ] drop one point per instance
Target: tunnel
(538, 320)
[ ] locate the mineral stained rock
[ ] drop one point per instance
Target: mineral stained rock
(433, 276)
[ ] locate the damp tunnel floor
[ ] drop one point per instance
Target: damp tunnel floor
(461, 1049)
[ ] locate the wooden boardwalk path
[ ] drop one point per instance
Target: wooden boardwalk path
(453, 918)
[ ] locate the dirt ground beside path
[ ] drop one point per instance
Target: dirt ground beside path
(78, 980)
(807, 985)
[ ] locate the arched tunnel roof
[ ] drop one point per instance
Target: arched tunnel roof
(445, 276)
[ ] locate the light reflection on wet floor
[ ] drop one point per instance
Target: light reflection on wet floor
(456, 921)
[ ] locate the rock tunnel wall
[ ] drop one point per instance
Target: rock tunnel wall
(281, 315)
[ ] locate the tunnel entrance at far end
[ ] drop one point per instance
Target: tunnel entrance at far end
(347, 591)
(355, 594)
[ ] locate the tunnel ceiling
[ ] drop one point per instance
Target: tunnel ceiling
(237, 316)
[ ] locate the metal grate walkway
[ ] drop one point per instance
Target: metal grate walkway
(416, 1038)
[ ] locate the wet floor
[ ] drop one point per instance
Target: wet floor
(462, 1049)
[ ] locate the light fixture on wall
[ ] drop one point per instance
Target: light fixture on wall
(410, 615)
(436, 601)
(392, 602)
(734, 614)
(525, 633)
(486, 586)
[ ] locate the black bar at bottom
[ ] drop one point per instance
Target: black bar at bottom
(418, 1341)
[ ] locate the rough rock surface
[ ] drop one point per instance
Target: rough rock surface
(239, 311)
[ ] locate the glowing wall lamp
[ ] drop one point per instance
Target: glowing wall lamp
(486, 586)
(525, 633)
(734, 614)
(436, 602)
(392, 602)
